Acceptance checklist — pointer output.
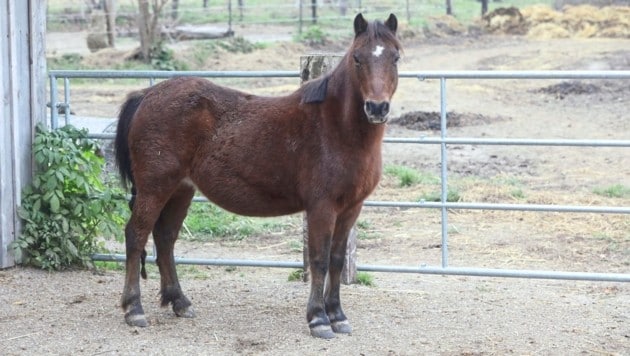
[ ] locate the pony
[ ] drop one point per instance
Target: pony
(316, 150)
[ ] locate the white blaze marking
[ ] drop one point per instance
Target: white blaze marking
(377, 51)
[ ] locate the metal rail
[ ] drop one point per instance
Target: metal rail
(442, 140)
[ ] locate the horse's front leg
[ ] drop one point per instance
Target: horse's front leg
(338, 320)
(320, 229)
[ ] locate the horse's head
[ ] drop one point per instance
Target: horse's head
(374, 54)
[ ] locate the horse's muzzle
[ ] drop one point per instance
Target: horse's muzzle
(376, 111)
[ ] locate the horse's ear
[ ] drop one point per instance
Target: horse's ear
(392, 23)
(360, 25)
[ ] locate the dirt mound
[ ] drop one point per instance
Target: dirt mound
(505, 20)
(430, 120)
(443, 26)
(543, 22)
(563, 89)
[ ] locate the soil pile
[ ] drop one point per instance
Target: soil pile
(543, 22)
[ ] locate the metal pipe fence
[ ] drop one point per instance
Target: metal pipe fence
(443, 205)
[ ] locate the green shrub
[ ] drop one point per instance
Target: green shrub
(67, 206)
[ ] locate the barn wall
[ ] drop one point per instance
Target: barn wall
(23, 90)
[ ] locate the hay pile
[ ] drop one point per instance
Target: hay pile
(543, 22)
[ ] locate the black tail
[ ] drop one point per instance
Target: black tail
(121, 144)
(121, 148)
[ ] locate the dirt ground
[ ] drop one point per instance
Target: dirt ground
(257, 311)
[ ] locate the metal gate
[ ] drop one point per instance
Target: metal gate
(443, 140)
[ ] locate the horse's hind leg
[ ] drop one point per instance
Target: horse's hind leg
(143, 216)
(338, 320)
(165, 234)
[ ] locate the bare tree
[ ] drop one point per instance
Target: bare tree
(314, 11)
(174, 9)
(241, 8)
(148, 26)
(484, 7)
(110, 20)
(343, 7)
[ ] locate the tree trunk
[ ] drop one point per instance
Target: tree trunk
(449, 7)
(484, 7)
(343, 7)
(174, 9)
(148, 26)
(143, 29)
(110, 21)
(314, 11)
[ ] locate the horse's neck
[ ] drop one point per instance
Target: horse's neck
(344, 108)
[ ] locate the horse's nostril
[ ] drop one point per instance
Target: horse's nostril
(377, 109)
(385, 108)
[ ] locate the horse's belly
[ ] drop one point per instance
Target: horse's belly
(251, 200)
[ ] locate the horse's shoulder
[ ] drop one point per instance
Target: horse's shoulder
(314, 91)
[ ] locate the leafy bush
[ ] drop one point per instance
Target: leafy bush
(163, 58)
(67, 206)
(314, 35)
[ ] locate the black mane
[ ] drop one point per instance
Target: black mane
(314, 91)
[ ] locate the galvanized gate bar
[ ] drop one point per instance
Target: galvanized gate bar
(442, 140)
(423, 269)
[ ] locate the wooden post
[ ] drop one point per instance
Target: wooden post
(23, 88)
(311, 67)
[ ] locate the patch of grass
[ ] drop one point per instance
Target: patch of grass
(517, 193)
(109, 266)
(408, 176)
(239, 45)
(365, 279)
(206, 221)
(436, 196)
(296, 245)
(296, 276)
(365, 230)
(613, 191)
(193, 272)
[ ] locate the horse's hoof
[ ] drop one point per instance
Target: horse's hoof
(341, 327)
(322, 332)
(187, 312)
(136, 320)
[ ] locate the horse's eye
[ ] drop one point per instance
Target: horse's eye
(396, 59)
(356, 60)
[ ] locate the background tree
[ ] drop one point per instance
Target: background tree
(148, 27)
(484, 7)
(449, 7)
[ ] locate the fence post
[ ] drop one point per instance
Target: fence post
(313, 66)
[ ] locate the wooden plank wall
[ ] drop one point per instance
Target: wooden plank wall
(23, 93)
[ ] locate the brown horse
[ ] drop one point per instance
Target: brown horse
(316, 150)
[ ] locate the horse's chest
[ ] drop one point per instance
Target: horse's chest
(351, 181)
